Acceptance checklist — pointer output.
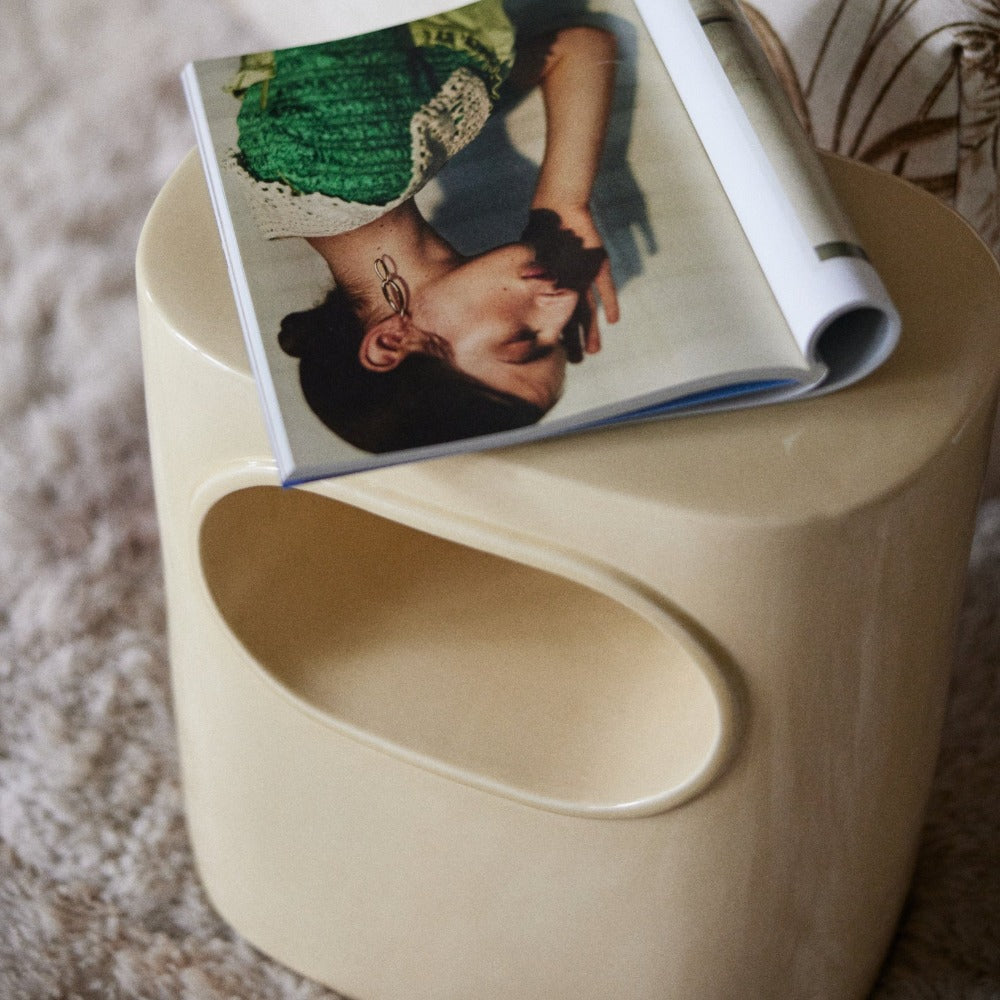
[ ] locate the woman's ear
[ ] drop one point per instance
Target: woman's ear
(386, 344)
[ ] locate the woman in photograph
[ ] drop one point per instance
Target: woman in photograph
(418, 344)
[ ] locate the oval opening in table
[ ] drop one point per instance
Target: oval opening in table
(503, 675)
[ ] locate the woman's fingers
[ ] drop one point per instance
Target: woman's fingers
(605, 285)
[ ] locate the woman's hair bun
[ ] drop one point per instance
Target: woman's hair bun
(301, 331)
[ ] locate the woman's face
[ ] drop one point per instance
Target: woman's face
(503, 317)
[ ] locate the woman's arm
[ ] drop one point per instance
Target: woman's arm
(575, 68)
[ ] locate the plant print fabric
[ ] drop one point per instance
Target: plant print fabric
(909, 86)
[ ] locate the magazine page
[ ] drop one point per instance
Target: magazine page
(834, 301)
(525, 312)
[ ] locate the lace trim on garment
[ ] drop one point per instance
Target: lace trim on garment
(442, 127)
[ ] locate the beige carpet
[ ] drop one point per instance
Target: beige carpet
(98, 899)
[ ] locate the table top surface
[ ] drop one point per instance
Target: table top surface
(806, 457)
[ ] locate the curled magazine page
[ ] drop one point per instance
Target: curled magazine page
(835, 304)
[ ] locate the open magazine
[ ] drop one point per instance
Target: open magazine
(518, 218)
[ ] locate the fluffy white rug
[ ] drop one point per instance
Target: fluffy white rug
(98, 898)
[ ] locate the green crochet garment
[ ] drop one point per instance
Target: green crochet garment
(335, 118)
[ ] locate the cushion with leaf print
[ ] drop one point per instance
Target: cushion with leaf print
(910, 86)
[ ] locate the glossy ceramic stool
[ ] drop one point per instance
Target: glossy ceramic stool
(650, 712)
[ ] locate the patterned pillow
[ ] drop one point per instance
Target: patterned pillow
(910, 86)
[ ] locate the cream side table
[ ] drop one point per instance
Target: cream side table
(646, 713)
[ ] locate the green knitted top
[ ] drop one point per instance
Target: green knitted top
(369, 119)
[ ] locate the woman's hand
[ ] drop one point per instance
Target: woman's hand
(568, 246)
(579, 221)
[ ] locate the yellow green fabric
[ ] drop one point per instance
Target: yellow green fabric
(481, 29)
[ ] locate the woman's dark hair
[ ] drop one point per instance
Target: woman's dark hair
(423, 401)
